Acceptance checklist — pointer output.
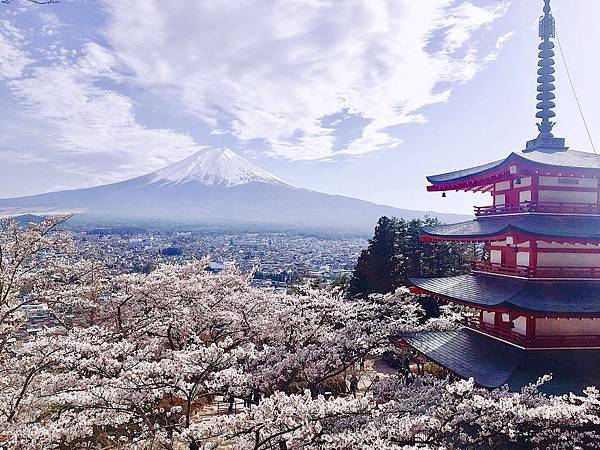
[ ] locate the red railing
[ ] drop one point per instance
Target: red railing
(539, 272)
(540, 207)
(543, 341)
(486, 266)
(500, 332)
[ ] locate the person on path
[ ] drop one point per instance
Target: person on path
(248, 400)
(402, 373)
(256, 397)
(353, 385)
(420, 360)
(231, 401)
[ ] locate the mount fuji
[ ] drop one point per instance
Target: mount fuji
(214, 186)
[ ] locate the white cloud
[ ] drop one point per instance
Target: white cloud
(273, 69)
(13, 58)
(464, 19)
(80, 118)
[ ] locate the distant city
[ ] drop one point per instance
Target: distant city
(277, 258)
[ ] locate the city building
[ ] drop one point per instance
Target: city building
(535, 295)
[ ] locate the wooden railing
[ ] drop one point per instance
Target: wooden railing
(539, 272)
(501, 332)
(540, 207)
(543, 341)
(486, 266)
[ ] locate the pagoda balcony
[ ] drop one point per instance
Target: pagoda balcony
(538, 207)
(539, 272)
(503, 333)
(544, 341)
(501, 269)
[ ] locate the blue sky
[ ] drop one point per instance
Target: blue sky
(361, 98)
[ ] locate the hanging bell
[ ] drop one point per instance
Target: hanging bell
(443, 195)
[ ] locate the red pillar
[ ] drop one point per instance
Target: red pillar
(533, 256)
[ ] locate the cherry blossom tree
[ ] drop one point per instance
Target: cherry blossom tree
(137, 360)
(30, 260)
(430, 413)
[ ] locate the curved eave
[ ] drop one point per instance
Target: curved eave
(499, 307)
(503, 233)
(582, 163)
(550, 228)
(470, 173)
(539, 298)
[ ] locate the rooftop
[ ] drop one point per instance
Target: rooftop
(563, 159)
(579, 298)
(577, 228)
(493, 363)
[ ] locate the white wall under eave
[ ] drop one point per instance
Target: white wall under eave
(562, 326)
(503, 243)
(542, 244)
(568, 259)
(568, 181)
(548, 196)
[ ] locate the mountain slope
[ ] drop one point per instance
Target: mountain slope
(213, 186)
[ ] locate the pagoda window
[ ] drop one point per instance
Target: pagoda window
(523, 182)
(495, 256)
(502, 186)
(564, 259)
(566, 327)
(488, 317)
(590, 183)
(544, 246)
(524, 196)
(523, 259)
(554, 196)
(520, 325)
(499, 199)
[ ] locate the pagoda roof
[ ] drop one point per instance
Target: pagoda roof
(493, 363)
(577, 228)
(577, 298)
(565, 159)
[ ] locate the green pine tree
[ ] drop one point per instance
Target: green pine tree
(396, 254)
(375, 270)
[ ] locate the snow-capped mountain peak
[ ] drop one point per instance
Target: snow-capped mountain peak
(213, 166)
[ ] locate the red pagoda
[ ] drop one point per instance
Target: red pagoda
(535, 294)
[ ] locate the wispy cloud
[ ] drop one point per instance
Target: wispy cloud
(273, 70)
(13, 57)
(82, 118)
